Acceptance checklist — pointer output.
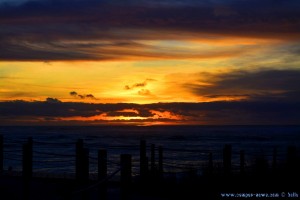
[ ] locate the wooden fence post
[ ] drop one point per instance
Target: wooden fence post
(1, 154)
(102, 173)
(27, 159)
(27, 168)
(227, 159)
(82, 162)
(125, 175)
(82, 166)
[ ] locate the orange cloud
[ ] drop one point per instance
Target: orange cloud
(122, 116)
(165, 115)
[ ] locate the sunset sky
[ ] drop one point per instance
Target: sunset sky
(149, 62)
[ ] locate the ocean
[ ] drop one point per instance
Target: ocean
(184, 147)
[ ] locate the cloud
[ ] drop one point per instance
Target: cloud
(136, 85)
(90, 96)
(221, 112)
(143, 91)
(73, 93)
(124, 113)
(265, 84)
(110, 30)
(82, 96)
(139, 85)
(52, 100)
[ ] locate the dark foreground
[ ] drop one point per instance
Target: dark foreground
(260, 186)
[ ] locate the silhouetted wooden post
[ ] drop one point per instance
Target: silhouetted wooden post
(27, 168)
(82, 166)
(125, 175)
(152, 158)
(242, 162)
(27, 159)
(227, 159)
(102, 173)
(160, 161)
(143, 160)
(1, 153)
(82, 162)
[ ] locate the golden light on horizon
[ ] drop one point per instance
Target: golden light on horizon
(126, 115)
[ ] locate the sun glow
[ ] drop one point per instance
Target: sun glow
(103, 117)
(130, 115)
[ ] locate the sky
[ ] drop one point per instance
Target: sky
(149, 62)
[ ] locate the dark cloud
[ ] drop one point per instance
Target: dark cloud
(52, 100)
(57, 109)
(82, 96)
(136, 85)
(222, 112)
(73, 93)
(90, 96)
(263, 85)
(60, 30)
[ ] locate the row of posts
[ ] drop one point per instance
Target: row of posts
(82, 165)
(82, 161)
(292, 161)
(146, 173)
(155, 171)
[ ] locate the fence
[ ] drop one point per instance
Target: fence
(33, 156)
(46, 159)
